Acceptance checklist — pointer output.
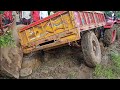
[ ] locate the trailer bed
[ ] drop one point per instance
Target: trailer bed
(58, 29)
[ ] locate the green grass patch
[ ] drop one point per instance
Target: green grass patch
(7, 40)
(111, 71)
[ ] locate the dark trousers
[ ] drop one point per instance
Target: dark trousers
(26, 21)
(17, 23)
(6, 21)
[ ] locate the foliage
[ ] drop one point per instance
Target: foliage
(109, 72)
(1, 12)
(7, 40)
(117, 13)
(108, 13)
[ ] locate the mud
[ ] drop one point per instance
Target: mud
(68, 63)
(62, 63)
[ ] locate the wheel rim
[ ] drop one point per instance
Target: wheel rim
(94, 47)
(113, 35)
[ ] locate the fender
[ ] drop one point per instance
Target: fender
(109, 24)
(118, 21)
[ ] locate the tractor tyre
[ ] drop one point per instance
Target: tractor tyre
(118, 32)
(91, 49)
(110, 36)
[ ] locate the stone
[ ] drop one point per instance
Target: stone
(25, 72)
(30, 63)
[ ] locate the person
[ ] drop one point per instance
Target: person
(10, 16)
(52, 12)
(49, 12)
(26, 17)
(35, 16)
(17, 14)
(20, 14)
(112, 14)
(7, 17)
(1, 24)
(43, 14)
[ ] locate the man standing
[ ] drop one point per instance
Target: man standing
(35, 16)
(7, 17)
(10, 16)
(26, 17)
(43, 14)
(52, 12)
(17, 14)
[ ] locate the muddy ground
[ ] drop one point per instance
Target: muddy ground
(68, 63)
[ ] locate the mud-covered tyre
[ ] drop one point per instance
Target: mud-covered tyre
(118, 32)
(91, 49)
(97, 33)
(110, 35)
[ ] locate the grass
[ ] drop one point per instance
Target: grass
(111, 71)
(7, 40)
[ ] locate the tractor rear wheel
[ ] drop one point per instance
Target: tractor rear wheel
(110, 35)
(91, 49)
(118, 32)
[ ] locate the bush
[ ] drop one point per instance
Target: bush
(6, 40)
(1, 12)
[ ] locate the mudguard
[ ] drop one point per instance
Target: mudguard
(109, 23)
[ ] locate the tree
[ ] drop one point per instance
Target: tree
(1, 12)
(116, 12)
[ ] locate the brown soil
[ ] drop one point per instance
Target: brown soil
(67, 63)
